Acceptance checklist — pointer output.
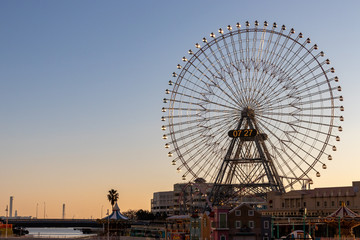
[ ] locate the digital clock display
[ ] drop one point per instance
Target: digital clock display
(242, 133)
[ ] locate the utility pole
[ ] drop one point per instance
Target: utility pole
(7, 221)
(37, 208)
(44, 210)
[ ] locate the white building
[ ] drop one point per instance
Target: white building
(185, 198)
(163, 202)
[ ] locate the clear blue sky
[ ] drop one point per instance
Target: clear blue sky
(82, 82)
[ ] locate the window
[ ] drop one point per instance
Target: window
(318, 204)
(332, 203)
(251, 213)
(251, 224)
(222, 237)
(265, 238)
(325, 204)
(237, 212)
(348, 203)
(304, 204)
(283, 205)
(266, 224)
(237, 224)
(222, 220)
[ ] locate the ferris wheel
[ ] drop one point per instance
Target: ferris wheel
(253, 106)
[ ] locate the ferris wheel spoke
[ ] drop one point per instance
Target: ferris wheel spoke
(214, 76)
(242, 75)
(243, 78)
(236, 65)
(220, 71)
(284, 142)
(261, 46)
(203, 99)
(201, 138)
(232, 111)
(296, 100)
(283, 148)
(190, 128)
(297, 106)
(300, 84)
(197, 121)
(199, 126)
(297, 115)
(276, 64)
(320, 151)
(276, 96)
(285, 162)
(273, 87)
(320, 92)
(195, 146)
(275, 47)
(302, 89)
(202, 154)
(310, 71)
(191, 134)
(203, 102)
(211, 165)
(231, 64)
(288, 65)
(204, 91)
(274, 61)
(308, 102)
(294, 126)
(268, 44)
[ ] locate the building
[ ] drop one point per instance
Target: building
(190, 197)
(242, 222)
(178, 227)
(185, 198)
(163, 202)
(313, 202)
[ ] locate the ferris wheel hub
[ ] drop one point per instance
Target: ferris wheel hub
(248, 112)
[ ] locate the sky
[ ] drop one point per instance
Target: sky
(82, 83)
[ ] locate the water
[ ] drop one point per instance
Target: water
(56, 233)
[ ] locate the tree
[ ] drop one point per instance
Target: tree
(131, 214)
(144, 215)
(113, 196)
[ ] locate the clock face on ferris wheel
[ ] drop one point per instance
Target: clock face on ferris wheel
(280, 75)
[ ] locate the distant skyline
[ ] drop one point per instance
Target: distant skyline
(82, 83)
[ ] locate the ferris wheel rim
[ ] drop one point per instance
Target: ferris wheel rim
(194, 56)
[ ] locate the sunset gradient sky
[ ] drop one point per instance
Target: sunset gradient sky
(82, 83)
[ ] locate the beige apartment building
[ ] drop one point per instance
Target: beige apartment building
(317, 202)
(185, 198)
(163, 202)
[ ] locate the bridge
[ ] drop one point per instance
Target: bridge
(61, 223)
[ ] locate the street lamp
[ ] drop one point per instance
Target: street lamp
(108, 232)
(305, 211)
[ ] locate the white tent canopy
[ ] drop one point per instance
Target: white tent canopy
(116, 215)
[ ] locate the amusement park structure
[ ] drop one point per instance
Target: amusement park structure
(254, 109)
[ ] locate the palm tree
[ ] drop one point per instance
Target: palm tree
(113, 196)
